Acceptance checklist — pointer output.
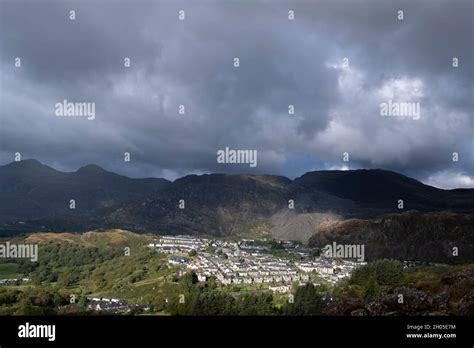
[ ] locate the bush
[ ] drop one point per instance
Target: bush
(307, 301)
(372, 289)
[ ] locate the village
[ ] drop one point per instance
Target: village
(250, 262)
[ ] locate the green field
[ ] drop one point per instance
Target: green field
(8, 270)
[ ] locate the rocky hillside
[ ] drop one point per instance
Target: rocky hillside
(219, 204)
(408, 236)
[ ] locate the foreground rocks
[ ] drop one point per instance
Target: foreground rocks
(412, 301)
(466, 305)
(397, 301)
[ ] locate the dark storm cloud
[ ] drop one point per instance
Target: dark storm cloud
(282, 62)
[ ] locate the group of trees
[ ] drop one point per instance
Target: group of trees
(62, 263)
(385, 272)
(32, 301)
(307, 301)
(73, 255)
(374, 276)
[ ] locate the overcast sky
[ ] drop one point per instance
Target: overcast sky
(190, 62)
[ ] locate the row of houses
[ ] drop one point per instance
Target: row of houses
(13, 281)
(260, 280)
(182, 243)
(107, 304)
(112, 305)
(315, 267)
(280, 288)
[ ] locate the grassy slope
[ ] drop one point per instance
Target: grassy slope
(8, 270)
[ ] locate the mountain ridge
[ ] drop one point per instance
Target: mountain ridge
(32, 163)
(214, 204)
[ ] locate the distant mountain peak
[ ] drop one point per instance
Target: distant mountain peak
(31, 160)
(91, 169)
(31, 163)
(28, 166)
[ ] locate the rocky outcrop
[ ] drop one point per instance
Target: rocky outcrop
(397, 301)
(413, 235)
(407, 301)
(459, 277)
(345, 307)
(466, 305)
